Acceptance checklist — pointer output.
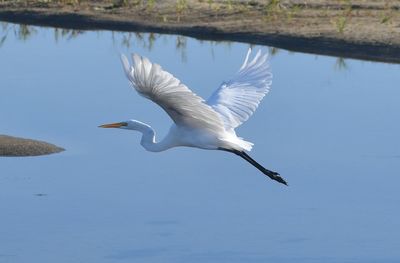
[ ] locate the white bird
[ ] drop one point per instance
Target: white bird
(197, 123)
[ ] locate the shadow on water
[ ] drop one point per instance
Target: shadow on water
(126, 40)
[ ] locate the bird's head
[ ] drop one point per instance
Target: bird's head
(128, 125)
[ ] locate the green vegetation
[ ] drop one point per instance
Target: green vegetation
(210, 2)
(291, 12)
(292, 17)
(277, 10)
(229, 5)
(386, 14)
(385, 18)
(181, 6)
(273, 9)
(150, 4)
(340, 24)
(273, 5)
(343, 18)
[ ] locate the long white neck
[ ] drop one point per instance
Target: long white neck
(148, 140)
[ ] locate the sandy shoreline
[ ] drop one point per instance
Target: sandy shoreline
(354, 29)
(13, 147)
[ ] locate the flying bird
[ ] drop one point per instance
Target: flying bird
(198, 123)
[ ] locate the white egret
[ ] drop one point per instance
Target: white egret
(197, 123)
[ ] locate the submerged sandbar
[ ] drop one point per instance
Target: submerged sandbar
(13, 146)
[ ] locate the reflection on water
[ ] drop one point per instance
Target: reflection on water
(333, 135)
(273, 51)
(341, 64)
(62, 33)
(127, 40)
(22, 32)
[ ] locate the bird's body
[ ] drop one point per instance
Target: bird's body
(184, 136)
(197, 123)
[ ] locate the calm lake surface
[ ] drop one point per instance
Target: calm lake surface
(329, 126)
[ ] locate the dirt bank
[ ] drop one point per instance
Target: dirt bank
(13, 146)
(364, 29)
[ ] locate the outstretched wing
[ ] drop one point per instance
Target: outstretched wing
(182, 105)
(237, 99)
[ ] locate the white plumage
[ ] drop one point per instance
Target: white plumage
(182, 105)
(237, 99)
(197, 123)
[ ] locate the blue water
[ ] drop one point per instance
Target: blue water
(329, 126)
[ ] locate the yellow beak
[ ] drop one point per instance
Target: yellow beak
(114, 125)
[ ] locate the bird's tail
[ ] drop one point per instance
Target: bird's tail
(271, 174)
(244, 144)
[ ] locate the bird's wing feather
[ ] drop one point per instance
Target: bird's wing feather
(237, 99)
(182, 105)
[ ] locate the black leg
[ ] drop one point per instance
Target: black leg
(271, 174)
